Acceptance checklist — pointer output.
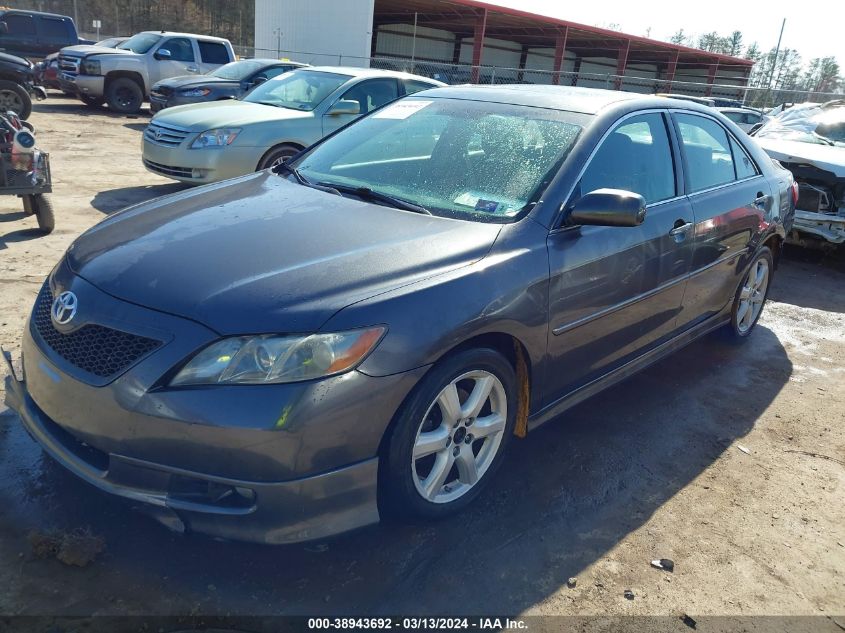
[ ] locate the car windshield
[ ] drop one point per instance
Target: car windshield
(297, 90)
(237, 70)
(470, 160)
(140, 43)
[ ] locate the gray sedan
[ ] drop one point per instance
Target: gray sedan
(230, 81)
(362, 331)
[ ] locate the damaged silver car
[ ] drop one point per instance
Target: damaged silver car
(809, 140)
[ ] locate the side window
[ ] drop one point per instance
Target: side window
(53, 29)
(636, 156)
(412, 86)
(180, 49)
(269, 73)
(372, 93)
(20, 24)
(745, 167)
(213, 52)
(708, 154)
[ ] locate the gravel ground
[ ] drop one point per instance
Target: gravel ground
(729, 460)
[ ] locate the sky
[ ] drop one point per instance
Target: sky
(810, 32)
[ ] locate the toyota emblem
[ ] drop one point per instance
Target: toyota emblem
(64, 308)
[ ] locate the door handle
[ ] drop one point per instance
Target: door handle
(192, 69)
(679, 233)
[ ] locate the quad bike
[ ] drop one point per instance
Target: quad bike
(25, 170)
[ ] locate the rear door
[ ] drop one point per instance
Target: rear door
(212, 55)
(616, 291)
(54, 33)
(729, 198)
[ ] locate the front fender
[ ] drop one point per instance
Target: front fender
(125, 63)
(505, 292)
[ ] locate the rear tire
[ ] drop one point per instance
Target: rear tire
(42, 207)
(466, 405)
(277, 155)
(13, 97)
(124, 96)
(751, 295)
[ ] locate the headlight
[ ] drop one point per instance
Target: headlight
(216, 138)
(195, 92)
(257, 360)
(91, 67)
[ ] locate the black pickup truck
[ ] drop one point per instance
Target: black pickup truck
(35, 35)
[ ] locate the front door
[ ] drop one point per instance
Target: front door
(369, 94)
(616, 291)
(182, 60)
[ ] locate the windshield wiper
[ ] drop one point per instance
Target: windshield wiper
(376, 196)
(823, 138)
(302, 180)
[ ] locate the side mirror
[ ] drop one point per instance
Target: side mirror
(345, 106)
(258, 81)
(163, 53)
(608, 207)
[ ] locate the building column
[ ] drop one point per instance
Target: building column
(711, 78)
(560, 55)
(621, 63)
(478, 45)
(670, 70)
(523, 58)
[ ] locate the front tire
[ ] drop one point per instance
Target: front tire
(41, 206)
(277, 155)
(449, 437)
(124, 96)
(751, 295)
(13, 97)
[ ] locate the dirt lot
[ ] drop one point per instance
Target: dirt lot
(728, 460)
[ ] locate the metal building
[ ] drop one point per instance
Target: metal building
(467, 40)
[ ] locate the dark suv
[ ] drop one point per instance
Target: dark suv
(17, 85)
(35, 34)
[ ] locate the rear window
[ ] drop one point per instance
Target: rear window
(213, 52)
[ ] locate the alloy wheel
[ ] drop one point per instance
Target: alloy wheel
(11, 101)
(459, 436)
(752, 295)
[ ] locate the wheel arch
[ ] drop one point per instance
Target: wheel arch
(126, 74)
(297, 146)
(775, 244)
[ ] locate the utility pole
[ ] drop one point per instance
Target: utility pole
(414, 42)
(75, 15)
(777, 51)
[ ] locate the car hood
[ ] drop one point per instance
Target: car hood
(231, 113)
(186, 81)
(827, 157)
(13, 59)
(84, 50)
(262, 254)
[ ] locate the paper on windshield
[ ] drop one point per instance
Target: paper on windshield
(401, 109)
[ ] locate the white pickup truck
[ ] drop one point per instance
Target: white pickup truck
(122, 77)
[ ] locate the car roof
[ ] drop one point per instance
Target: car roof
(739, 109)
(565, 98)
(269, 61)
(353, 71)
(4, 11)
(210, 38)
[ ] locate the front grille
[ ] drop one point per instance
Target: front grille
(168, 170)
(95, 349)
(69, 64)
(167, 135)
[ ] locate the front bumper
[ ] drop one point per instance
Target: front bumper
(82, 85)
(826, 226)
(270, 463)
(200, 166)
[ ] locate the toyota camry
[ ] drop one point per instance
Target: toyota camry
(364, 329)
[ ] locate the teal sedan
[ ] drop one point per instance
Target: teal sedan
(207, 142)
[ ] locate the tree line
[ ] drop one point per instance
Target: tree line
(232, 19)
(781, 70)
